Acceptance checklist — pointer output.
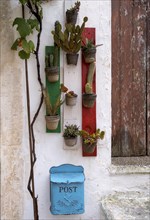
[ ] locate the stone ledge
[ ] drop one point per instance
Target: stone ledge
(128, 169)
(141, 160)
(127, 206)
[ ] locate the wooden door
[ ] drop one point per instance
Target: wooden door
(130, 77)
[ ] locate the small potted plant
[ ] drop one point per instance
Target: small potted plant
(90, 140)
(72, 13)
(70, 134)
(52, 117)
(89, 50)
(70, 40)
(89, 97)
(71, 98)
(52, 68)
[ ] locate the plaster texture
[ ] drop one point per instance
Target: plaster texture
(16, 201)
(132, 205)
(12, 162)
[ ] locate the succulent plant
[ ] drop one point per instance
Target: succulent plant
(70, 40)
(71, 131)
(89, 44)
(91, 138)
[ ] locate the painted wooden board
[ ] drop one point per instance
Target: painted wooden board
(53, 89)
(129, 78)
(148, 77)
(88, 114)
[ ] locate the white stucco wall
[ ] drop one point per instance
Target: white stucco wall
(16, 201)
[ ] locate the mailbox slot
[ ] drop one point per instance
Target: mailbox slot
(67, 189)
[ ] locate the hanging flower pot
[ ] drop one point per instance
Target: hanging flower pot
(51, 63)
(70, 141)
(72, 13)
(89, 50)
(52, 73)
(88, 147)
(89, 55)
(52, 121)
(72, 58)
(71, 101)
(71, 98)
(89, 140)
(70, 134)
(71, 17)
(88, 100)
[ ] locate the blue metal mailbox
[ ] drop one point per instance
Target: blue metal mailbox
(67, 189)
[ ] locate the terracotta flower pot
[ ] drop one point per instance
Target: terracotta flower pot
(88, 100)
(70, 141)
(52, 122)
(52, 73)
(89, 148)
(71, 100)
(71, 17)
(89, 55)
(72, 58)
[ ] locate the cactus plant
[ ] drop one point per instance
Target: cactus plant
(51, 63)
(88, 85)
(89, 97)
(51, 60)
(70, 40)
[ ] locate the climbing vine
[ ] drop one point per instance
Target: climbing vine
(25, 48)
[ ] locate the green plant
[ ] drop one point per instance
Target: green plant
(70, 40)
(88, 85)
(51, 60)
(75, 8)
(91, 138)
(89, 44)
(52, 109)
(71, 131)
(25, 28)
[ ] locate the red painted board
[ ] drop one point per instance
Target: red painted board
(88, 114)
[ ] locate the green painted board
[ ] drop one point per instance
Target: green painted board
(53, 88)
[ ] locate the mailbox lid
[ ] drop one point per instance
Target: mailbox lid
(67, 178)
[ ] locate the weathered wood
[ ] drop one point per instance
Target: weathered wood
(148, 76)
(129, 79)
(116, 78)
(126, 77)
(139, 80)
